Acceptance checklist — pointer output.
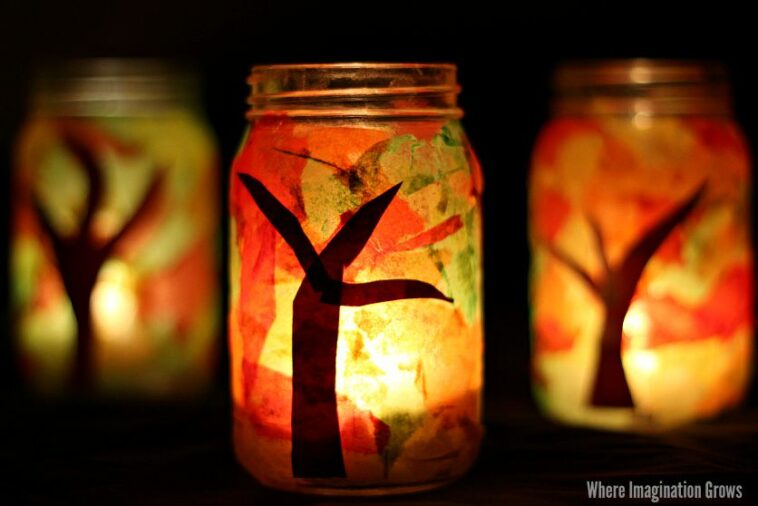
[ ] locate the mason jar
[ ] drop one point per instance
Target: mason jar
(642, 272)
(114, 248)
(356, 301)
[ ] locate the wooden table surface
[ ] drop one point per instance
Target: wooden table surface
(86, 453)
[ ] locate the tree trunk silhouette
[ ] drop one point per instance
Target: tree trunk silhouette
(80, 257)
(610, 387)
(615, 290)
(316, 442)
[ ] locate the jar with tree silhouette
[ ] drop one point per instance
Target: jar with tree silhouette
(642, 270)
(114, 249)
(356, 322)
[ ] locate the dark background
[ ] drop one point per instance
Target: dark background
(505, 58)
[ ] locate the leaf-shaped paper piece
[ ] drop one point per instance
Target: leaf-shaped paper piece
(402, 426)
(432, 235)
(721, 314)
(550, 335)
(549, 212)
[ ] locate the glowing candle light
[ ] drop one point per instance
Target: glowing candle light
(641, 282)
(114, 303)
(356, 328)
(113, 248)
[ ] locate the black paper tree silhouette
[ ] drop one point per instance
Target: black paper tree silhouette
(316, 443)
(615, 290)
(81, 256)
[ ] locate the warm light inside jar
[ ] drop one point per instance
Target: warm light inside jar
(114, 303)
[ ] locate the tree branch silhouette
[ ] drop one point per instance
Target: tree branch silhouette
(616, 290)
(363, 294)
(140, 214)
(79, 257)
(575, 267)
(289, 228)
(316, 440)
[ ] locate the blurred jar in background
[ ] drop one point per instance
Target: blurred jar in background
(115, 214)
(642, 271)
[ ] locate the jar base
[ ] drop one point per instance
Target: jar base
(267, 459)
(368, 491)
(336, 487)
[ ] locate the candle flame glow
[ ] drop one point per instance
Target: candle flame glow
(393, 381)
(637, 325)
(643, 362)
(114, 303)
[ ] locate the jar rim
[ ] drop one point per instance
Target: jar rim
(354, 89)
(354, 65)
(636, 71)
(642, 86)
(112, 86)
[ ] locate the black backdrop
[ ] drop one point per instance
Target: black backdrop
(505, 59)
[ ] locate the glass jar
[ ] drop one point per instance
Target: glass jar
(642, 271)
(356, 304)
(114, 247)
